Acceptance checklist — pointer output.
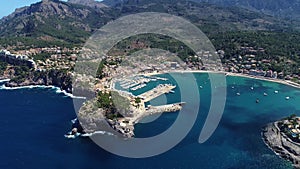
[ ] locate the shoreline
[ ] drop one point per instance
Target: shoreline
(4, 80)
(280, 144)
(57, 89)
(121, 126)
(280, 81)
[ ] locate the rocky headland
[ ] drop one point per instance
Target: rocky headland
(281, 144)
(55, 78)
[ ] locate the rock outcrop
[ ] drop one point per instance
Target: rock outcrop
(281, 144)
(50, 78)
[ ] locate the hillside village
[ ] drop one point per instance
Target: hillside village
(43, 59)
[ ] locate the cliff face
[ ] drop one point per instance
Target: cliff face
(281, 145)
(56, 78)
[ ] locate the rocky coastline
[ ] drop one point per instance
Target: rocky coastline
(26, 83)
(51, 78)
(281, 144)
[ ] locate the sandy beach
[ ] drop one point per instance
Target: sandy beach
(281, 81)
(285, 82)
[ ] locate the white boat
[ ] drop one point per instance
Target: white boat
(276, 92)
(238, 94)
(287, 98)
(138, 87)
(265, 94)
(251, 88)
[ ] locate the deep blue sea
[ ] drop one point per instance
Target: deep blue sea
(33, 123)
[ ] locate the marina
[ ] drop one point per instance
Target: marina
(138, 87)
(138, 82)
(138, 110)
(159, 90)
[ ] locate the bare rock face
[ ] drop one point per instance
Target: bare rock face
(281, 144)
(90, 3)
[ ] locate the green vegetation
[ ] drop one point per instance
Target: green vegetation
(69, 34)
(138, 100)
(139, 42)
(120, 103)
(291, 127)
(3, 66)
(229, 29)
(104, 100)
(41, 56)
(100, 74)
(113, 103)
(72, 24)
(21, 73)
(281, 47)
(33, 42)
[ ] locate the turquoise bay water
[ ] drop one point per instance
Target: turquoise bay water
(34, 122)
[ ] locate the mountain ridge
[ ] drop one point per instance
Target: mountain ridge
(57, 19)
(75, 20)
(281, 8)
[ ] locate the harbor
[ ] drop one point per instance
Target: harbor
(159, 90)
(138, 82)
(138, 110)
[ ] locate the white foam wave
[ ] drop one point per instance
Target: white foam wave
(25, 87)
(58, 90)
(4, 80)
(87, 135)
(97, 132)
(74, 121)
(72, 136)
